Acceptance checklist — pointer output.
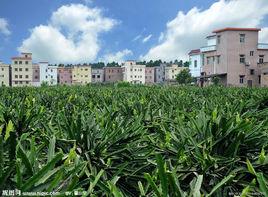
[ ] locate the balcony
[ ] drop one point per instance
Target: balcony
(263, 46)
(208, 48)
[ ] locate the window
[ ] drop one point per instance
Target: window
(16, 76)
(86, 75)
(242, 38)
(20, 76)
(93, 76)
(241, 78)
(252, 71)
(26, 69)
(207, 60)
(27, 82)
(36, 77)
(251, 53)
(195, 63)
(26, 76)
(16, 62)
(218, 39)
(98, 76)
(20, 69)
(16, 82)
(86, 69)
(218, 59)
(46, 70)
(259, 77)
(131, 69)
(46, 76)
(242, 59)
(20, 62)
(261, 57)
(145, 77)
(26, 62)
(16, 69)
(20, 82)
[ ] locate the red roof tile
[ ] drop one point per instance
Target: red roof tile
(195, 51)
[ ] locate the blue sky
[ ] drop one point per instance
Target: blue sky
(122, 27)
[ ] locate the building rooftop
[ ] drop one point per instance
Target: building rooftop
(21, 58)
(194, 51)
(235, 29)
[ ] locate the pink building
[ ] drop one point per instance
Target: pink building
(233, 55)
(113, 74)
(65, 75)
(149, 75)
(36, 75)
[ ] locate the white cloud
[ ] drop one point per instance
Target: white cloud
(161, 37)
(136, 38)
(147, 38)
(71, 35)
(4, 27)
(119, 57)
(188, 30)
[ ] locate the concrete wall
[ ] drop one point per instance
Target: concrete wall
(4, 74)
(97, 75)
(195, 64)
(113, 74)
(149, 75)
(81, 75)
(65, 75)
(22, 70)
(48, 74)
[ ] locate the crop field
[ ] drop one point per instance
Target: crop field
(134, 141)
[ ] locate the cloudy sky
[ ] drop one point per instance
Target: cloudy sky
(78, 31)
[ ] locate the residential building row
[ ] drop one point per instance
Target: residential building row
(234, 56)
(23, 72)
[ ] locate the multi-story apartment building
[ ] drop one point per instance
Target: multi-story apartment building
(133, 73)
(65, 75)
(233, 54)
(81, 74)
(113, 74)
(172, 71)
(48, 73)
(4, 74)
(149, 75)
(160, 73)
(97, 75)
(264, 73)
(36, 75)
(22, 70)
(195, 59)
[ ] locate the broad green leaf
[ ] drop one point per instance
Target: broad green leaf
(162, 174)
(39, 175)
(250, 168)
(9, 129)
(51, 148)
(197, 187)
(93, 184)
(263, 183)
(153, 185)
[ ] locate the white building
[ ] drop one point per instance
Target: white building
(195, 59)
(133, 72)
(48, 73)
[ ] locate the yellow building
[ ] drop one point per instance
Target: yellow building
(22, 70)
(81, 74)
(4, 74)
(172, 71)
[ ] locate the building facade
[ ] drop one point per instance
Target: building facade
(149, 75)
(113, 74)
(172, 71)
(81, 74)
(97, 75)
(4, 74)
(22, 70)
(160, 73)
(232, 55)
(36, 75)
(65, 75)
(48, 73)
(133, 73)
(195, 59)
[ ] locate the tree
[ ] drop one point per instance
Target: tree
(186, 64)
(184, 77)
